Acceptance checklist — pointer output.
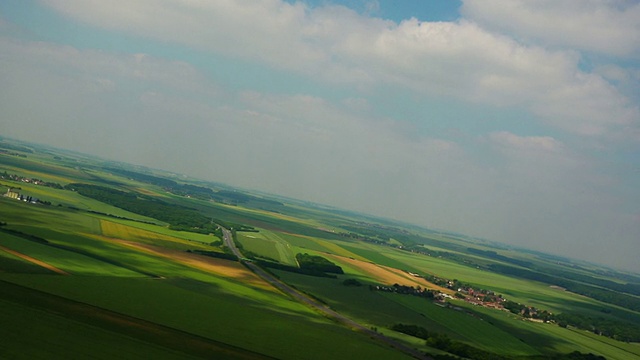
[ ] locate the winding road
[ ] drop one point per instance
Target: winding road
(228, 241)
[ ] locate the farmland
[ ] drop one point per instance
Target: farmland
(94, 258)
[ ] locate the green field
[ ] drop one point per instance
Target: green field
(98, 281)
(51, 320)
(268, 244)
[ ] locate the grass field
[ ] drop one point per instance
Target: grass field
(492, 330)
(68, 261)
(46, 337)
(269, 244)
(94, 331)
(161, 231)
(36, 168)
(121, 231)
(550, 337)
(17, 265)
(68, 200)
(86, 280)
(287, 331)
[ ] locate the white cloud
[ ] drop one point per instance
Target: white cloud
(516, 188)
(335, 44)
(527, 143)
(91, 99)
(165, 114)
(609, 27)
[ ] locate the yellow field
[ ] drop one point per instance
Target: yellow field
(337, 249)
(388, 275)
(220, 267)
(268, 213)
(125, 232)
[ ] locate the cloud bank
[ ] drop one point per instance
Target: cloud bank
(531, 179)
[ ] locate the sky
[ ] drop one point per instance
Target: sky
(515, 121)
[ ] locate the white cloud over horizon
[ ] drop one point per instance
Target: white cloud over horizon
(540, 188)
(335, 44)
(610, 27)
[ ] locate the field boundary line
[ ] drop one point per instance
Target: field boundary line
(34, 260)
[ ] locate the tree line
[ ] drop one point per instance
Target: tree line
(445, 343)
(309, 265)
(602, 294)
(178, 217)
(317, 263)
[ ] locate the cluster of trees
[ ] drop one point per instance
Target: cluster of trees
(7, 146)
(444, 343)
(309, 265)
(383, 234)
(615, 329)
(215, 254)
(118, 217)
(629, 288)
(356, 236)
(11, 153)
(406, 290)
(178, 217)
(236, 197)
(278, 266)
(195, 191)
(351, 282)
(317, 263)
(598, 293)
(459, 258)
(36, 181)
(618, 330)
(25, 236)
(245, 228)
(528, 312)
(494, 255)
(173, 187)
(145, 178)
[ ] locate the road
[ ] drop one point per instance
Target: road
(228, 241)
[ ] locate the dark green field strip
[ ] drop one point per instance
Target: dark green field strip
(31, 334)
(609, 296)
(12, 264)
(77, 251)
(265, 221)
(41, 167)
(380, 259)
(145, 331)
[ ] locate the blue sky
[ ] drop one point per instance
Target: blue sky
(516, 121)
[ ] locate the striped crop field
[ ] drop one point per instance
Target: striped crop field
(337, 249)
(126, 232)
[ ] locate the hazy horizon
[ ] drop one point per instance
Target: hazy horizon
(518, 122)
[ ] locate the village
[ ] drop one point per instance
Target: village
(16, 195)
(13, 194)
(27, 180)
(477, 297)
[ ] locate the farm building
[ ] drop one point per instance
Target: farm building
(12, 194)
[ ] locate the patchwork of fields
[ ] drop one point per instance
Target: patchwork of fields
(84, 272)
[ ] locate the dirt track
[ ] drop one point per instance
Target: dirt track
(35, 261)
